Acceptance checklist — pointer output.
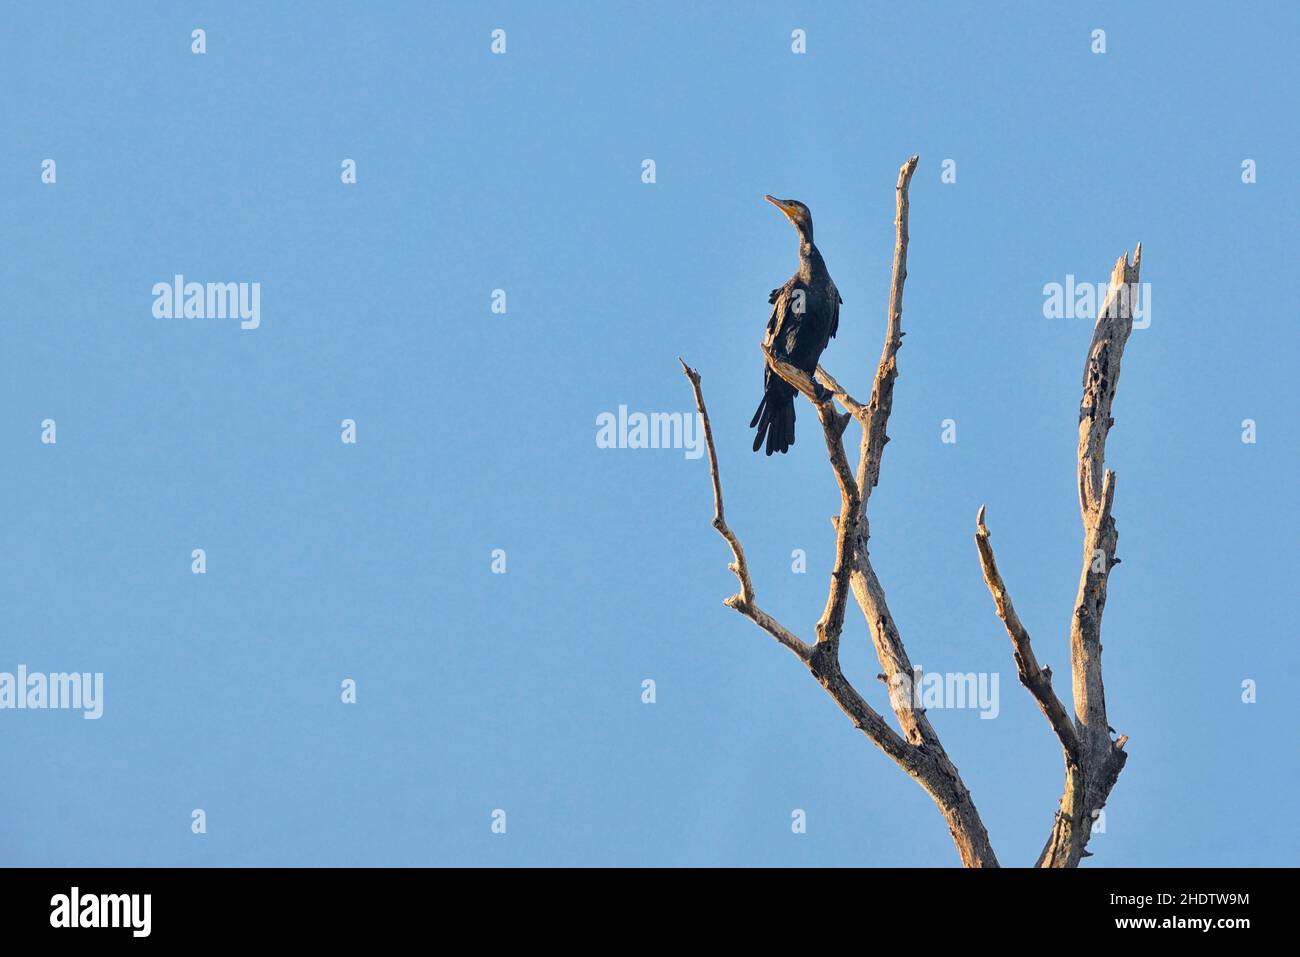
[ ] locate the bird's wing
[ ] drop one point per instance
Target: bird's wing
(835, 314)
(782, 325)
(772, 322)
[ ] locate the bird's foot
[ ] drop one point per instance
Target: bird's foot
(821, 393)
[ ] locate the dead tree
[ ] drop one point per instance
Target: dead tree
(1092, 760)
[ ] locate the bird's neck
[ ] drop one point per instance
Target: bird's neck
(809, 257)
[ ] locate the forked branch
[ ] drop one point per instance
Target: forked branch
(1092, 760)
(865, 718)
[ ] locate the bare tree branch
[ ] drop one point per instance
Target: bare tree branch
(744, 601)
(882, 390)
(1037, 680)
(833, 424)
(823, 660)
(1097, 493)
(1088, 787)
(851, 405)
(940, 778)
(868, 591)
(831, 622)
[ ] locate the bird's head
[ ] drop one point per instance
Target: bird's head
(797, 213)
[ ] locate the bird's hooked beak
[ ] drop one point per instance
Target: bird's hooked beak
(781, 205)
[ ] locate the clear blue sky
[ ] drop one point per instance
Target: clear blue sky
(476, 431)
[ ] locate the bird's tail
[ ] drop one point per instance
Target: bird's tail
(775, 418)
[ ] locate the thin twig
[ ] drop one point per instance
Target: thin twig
(882, 389)
(1037, 680)
(851, 405)
(744, 601)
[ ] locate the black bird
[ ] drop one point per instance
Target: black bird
(805, 316)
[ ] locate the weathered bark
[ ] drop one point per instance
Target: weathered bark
(1092, 761)
(1101, 759)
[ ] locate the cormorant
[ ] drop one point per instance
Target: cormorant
(805, 316)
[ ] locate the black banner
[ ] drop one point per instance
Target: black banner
(377, 905)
